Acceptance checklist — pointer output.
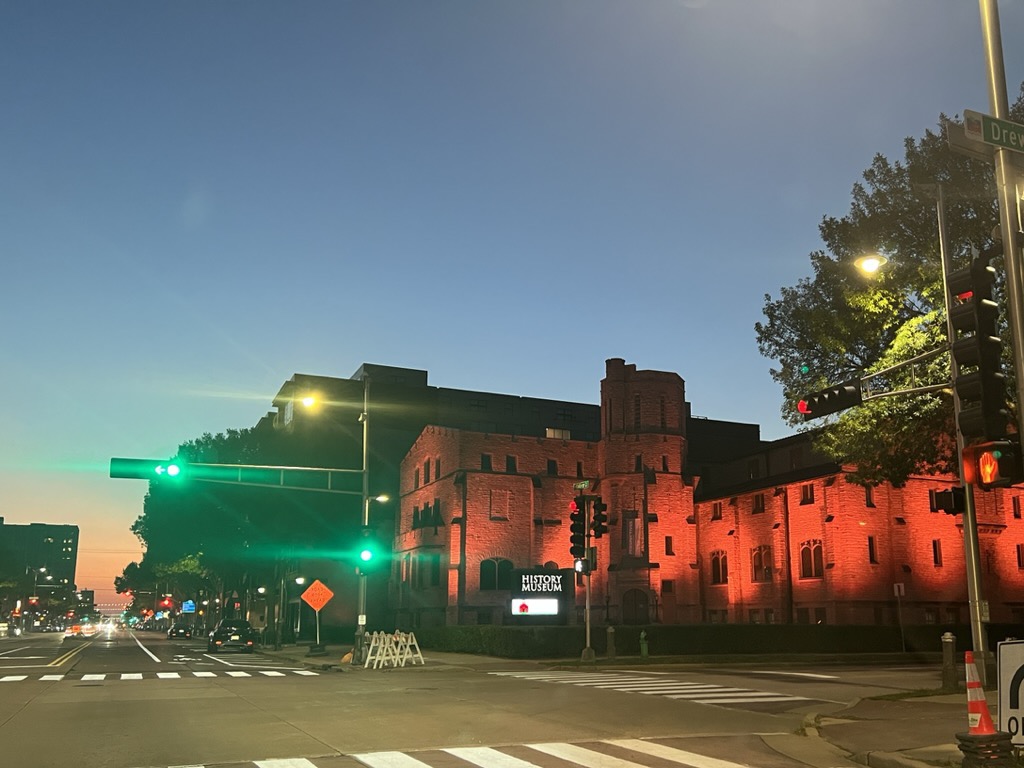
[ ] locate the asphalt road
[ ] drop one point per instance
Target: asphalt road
(135, 700)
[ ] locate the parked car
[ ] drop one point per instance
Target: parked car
(179, 630)
(232, 633)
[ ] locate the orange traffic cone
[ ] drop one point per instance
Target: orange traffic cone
(978, 718)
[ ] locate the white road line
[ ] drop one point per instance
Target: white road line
(90, 678)
(15, 650)
(205, 674)
(52, 677)
(131, 676)
(145, 649)
(168, 675)
(307, 672)
(792, 674)
(12, 678)
(272, 673)
(486, 757)
(291, 762)
(585, 757)
(750, 699)
(229, 673)
(670, 753)
(389, 760)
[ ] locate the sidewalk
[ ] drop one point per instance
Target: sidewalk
(907, 733)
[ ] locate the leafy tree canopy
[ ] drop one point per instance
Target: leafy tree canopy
(840, 324)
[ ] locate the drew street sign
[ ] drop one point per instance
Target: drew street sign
(991, 130)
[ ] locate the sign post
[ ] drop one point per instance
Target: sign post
(1010, 673)
(316, 597)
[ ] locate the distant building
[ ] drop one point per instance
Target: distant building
(33, 547)
(707, 523)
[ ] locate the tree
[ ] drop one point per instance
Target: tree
(841, 325)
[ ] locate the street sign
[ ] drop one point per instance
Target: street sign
(188, 606)
(582, 485)
(317, 595)
(992, 130)
(1010, 666)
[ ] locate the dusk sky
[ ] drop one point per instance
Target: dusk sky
(200, 199)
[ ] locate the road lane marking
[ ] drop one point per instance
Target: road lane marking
(587, 757)
(272, 673)
(53, 678)
(144, 648)
(486, 757)
(91, 678)
(12, 678)
(231, 673)
(290, 762)
(671, 753)
(131, 676)
(205, 674)
(390, 760)
(814, 675)
(168, 675)
(59, 661)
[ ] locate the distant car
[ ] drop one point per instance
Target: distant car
(179, 630)
(232, 633)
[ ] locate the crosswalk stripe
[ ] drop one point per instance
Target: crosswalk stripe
(168, 675)
(671, 753)
(52, 677)
(131, 676)
(486, 757)
(205, 674)
(291, 762)
(237, 674)
(584, 757)
(389, 760)
(307, 672)
(90, 678)
(271, 673)
(12, 678)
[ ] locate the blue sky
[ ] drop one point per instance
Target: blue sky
(199, 199)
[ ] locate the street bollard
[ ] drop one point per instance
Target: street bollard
(611, 642)
(643, 644)
(950, 684)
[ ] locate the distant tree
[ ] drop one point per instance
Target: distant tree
(839, 324)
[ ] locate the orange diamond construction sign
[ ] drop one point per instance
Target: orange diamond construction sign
(317, 596)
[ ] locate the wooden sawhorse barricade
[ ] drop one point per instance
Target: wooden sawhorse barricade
(393, 650)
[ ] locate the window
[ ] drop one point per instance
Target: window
(437, 468)
(430, 570)
(664, 422)
(495, 574)
(668, 546)
(761, 563)
(755, 616)
(426, 471)
(769, 615)
(1020, 556)
(510, 464)
(811, 564)
(937, 552)
(719, 567)
(716, 510)
(579, 469)
(1016, 507)
(558, 434)
(668, 587)
(664, 463)
(416, 478)
(869, 497)
(638, 463)
(758, 504)
(807, 493)
(485, 462)
(552, 467)
(872, 550)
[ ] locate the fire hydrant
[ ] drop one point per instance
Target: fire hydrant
(643, 644)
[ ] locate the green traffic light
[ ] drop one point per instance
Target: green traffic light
(366, 555)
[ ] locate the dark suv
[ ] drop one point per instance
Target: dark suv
(232, 633)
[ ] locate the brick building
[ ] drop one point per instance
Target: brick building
(707, 522)
(765, 532)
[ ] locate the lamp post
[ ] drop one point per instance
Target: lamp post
(35, 591)
(360, 636)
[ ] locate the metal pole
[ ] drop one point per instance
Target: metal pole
(1006, 187)
(360, 637)
(588, 651)
(971, 558)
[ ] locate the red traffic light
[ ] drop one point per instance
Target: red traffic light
(803, 407)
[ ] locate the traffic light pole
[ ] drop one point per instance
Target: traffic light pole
(360, 637)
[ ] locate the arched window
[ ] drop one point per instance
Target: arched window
(761, 562)
(719, 567)
(495, 573)
(811, 566)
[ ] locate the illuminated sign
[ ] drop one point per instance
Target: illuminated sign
(537, 606)
(540, 582)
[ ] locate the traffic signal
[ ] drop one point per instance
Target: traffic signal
(831, 400)
(578, 527)
(993, 465)
(166, 602)
(147, 469)
(370, 553)
(600, 518)
(977, 351)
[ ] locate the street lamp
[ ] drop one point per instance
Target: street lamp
(35, 590)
